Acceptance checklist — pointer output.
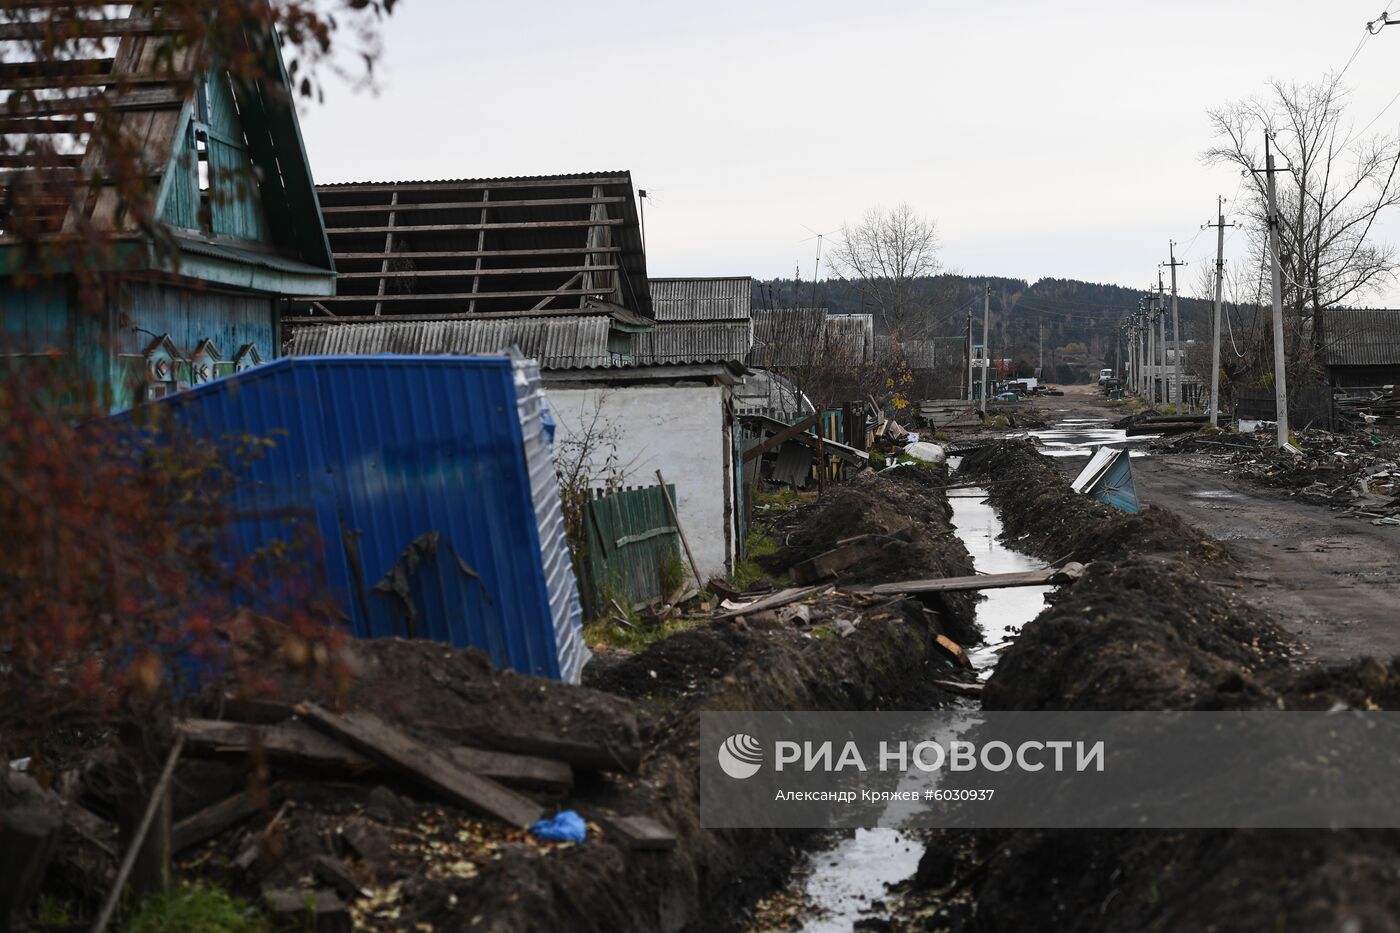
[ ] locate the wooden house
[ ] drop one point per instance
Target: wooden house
(239, 222)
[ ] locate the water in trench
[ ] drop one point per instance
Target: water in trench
(844, 883)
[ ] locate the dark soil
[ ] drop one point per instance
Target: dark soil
(907, 508)
(1156, 623)
(423, 862)
(1042, 515)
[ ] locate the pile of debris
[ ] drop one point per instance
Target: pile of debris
(1369, 406)
(1358, 472)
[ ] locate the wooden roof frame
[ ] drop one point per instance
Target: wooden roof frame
(552, 244)
(155, 105)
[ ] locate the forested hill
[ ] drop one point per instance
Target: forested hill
(1065, 313)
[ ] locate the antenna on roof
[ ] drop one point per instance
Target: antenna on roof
(642, 204)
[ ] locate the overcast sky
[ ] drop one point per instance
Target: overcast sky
(1045, 139)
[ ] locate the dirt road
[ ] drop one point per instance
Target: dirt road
(1333, 581)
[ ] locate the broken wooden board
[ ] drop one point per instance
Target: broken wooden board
(953, 650)
(298, 744)
(991, 581)
(776, 600)
(209, 822)
(292, 742)
(509, 768)
(641, 833)
(377, 739)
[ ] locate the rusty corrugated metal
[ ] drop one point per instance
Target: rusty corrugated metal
(702, 342)
(571, 342)
(710, 299)
(1361, 338)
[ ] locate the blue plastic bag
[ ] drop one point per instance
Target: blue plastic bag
(566, 826)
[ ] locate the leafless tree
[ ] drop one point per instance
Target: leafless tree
(1342, 181)
(884, 255)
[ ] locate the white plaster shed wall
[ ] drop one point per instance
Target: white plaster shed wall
(678, 430)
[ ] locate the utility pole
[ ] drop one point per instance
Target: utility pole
(1280, 362)
(1176, 324)
(1141, 354)
(1040, 349)
(1219, 307)
(986, 337)
(1162, 326)
(1151, 353)
(969, 356)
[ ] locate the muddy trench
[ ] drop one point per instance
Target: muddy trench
(850, 883)
(1157, 622)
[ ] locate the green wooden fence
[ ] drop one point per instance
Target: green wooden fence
(633, 546)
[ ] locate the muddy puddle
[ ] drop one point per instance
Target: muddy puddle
(847, 883)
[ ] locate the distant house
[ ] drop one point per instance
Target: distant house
(639, 371)
(1361, 347)
(671, 407)
(233, 189)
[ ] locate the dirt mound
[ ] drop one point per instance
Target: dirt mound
(906, 511)
(905, 505)
(1042, 514)
(1147, 628)
(1140, 634)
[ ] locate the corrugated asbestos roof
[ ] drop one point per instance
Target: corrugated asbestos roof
(712, 299)
(919, 354)
(786, 336)
(572, 342)
(1361, 338)
(851, 337)
(702, 342)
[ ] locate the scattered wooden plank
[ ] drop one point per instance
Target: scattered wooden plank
(589, 755)
(991, 581)
(297, 743)
(641, 833)
(509, 768)
(776, 600)
(209, 822)
(954, 650)
(292, 742)
(377, 739)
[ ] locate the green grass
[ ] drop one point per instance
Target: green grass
(747, 572)
(778, 499)
(195, 907)
(633, 636)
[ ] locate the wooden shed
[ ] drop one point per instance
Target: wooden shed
(237, 225)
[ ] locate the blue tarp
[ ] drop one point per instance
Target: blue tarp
(413, 471)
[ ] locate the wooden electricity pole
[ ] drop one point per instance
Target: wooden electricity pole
(1280, 358)
(1176, 325)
